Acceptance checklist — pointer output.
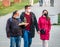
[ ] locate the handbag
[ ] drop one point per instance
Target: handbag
(42, 31)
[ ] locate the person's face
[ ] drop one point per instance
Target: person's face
(45, 13)
(28, 9)
(17, 15)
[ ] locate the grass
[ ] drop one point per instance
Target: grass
(59, 18)
(35, 1)
(14, 6)
(56, 24)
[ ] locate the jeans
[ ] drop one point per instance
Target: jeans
(27, 39)
(15, 41)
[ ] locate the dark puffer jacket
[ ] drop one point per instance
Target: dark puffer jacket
(33, 23)
(12, 28)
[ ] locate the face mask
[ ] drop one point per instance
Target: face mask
(17, 17)
(29, 10)
(45, 14)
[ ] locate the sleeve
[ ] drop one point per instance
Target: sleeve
(8, 28)
(39, 23)
(35, 23)
(22, 17)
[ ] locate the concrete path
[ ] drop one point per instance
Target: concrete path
(55, 32)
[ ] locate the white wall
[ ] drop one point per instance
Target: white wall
(54, 19)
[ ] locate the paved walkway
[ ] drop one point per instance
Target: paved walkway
(55, 32)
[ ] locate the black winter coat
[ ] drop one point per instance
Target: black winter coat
(33, 23)
(12, 28)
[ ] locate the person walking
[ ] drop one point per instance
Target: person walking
(29, 30)
(13, 30)
(44, 25)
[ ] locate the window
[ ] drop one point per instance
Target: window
(52, 3)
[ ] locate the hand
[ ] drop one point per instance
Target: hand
(38, 32)
(8, 37)
(26, 24)
(23, 24)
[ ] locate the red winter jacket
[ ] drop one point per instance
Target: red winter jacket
(45, 24)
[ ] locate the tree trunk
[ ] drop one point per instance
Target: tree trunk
(6, 3)
(31, 2)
